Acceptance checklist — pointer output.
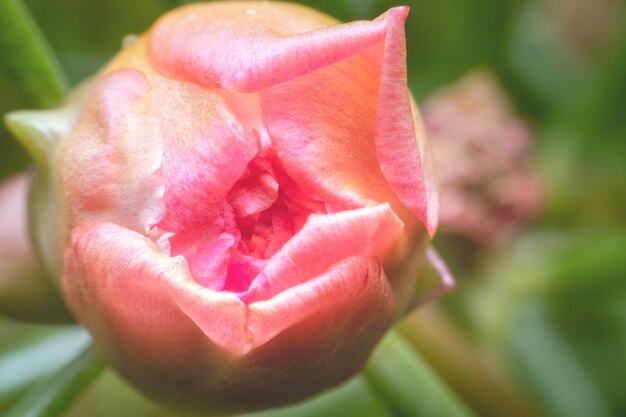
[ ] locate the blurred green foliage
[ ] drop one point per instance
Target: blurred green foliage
(552, 304)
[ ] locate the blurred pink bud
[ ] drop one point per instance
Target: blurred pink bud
(482, 151)
(25, 290)
(235, 186)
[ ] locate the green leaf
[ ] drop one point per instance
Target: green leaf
(353, 399)
(552, 370)
(52, 396)
(31, 358)
(26, 57)
(407, 384)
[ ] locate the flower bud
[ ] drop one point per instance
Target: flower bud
(25, 291)
(488, 186)
(240, 200)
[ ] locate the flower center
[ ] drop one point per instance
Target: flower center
(261, 212)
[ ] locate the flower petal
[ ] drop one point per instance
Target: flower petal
(250, 46)
(108, 167)
(323, 128)
(133, 307)
(98, 270)
(207, 147)
(356, 286)
(322, 242)
(400, 144)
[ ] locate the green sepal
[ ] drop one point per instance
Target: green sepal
(38, 131)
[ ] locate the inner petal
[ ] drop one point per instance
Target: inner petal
(256, 190)
(262, 211)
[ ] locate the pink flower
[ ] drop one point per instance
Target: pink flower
(237, 199)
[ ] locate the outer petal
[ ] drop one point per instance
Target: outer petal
(400, 159)
(108, 163)
(25, 290)
(248, 46)
(350, 285)
(323, 128)
(200, 349)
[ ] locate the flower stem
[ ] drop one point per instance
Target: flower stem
(52, 396)
(407, 384)
(480, 383)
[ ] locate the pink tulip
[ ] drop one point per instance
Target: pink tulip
(241, 198)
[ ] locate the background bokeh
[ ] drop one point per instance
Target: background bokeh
(537, 325)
